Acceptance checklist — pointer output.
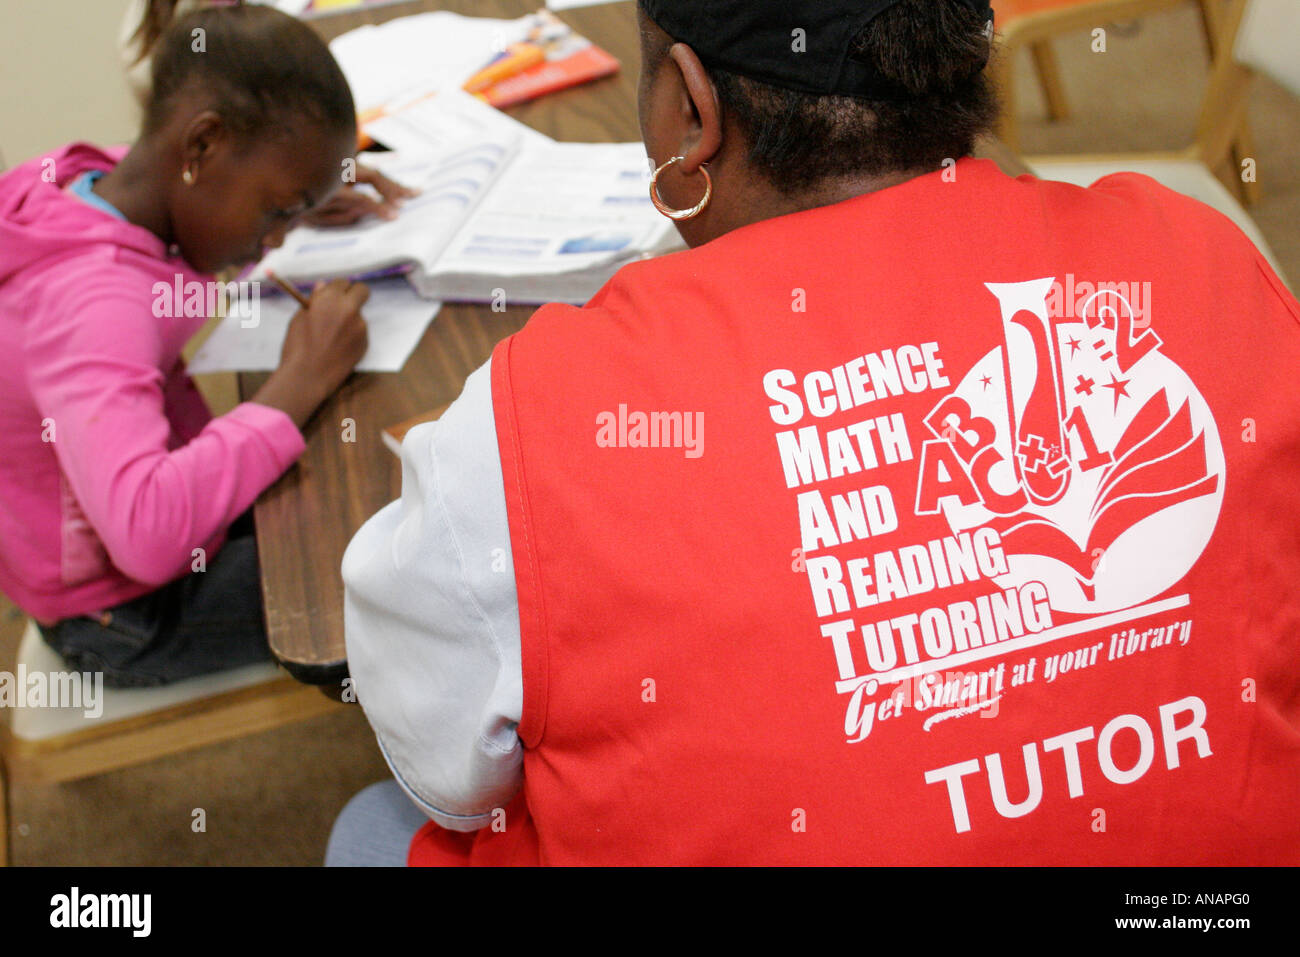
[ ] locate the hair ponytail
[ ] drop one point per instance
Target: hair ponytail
(158, 15)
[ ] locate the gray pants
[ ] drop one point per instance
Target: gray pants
(204, 622)
(375, 829)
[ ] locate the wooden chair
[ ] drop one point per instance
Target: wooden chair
(50, 745)
(1033, 24)
(1258, 36)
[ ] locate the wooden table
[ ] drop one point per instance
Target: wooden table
(305, 521)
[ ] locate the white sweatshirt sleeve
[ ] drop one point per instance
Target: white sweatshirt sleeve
(432, 620)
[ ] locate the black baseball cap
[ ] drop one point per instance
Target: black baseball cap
(758, 39)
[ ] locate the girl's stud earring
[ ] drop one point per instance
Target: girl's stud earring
(188, 176)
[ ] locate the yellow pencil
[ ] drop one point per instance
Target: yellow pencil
(302, 300)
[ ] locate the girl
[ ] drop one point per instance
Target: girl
(144, 24)
(118, 491)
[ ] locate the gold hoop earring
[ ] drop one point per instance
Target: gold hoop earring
(187, 175)
(680, 215)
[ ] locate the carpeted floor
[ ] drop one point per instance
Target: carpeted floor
(270, 799)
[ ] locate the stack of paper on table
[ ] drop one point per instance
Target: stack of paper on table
(427, 51)
(568, 59)
(570, 4)
(396, 318)
(437, 51)
(504, 213)
(437, 121)
(325, 8)
(310, 9)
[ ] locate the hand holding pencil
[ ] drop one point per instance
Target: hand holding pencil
(326, 339)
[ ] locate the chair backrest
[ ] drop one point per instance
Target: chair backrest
(1264, 37)
(1268, 41)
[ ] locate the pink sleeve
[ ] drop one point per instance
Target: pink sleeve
(186, 409)
(93, 368)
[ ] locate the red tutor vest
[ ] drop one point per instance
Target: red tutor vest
(953, 524)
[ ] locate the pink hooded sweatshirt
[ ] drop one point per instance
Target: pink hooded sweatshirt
(113, 470)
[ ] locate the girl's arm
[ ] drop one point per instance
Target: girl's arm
(185, 406)
(93, 360)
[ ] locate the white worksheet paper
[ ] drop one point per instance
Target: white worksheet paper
(396, 318)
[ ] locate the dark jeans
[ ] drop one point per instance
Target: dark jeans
(204, 622)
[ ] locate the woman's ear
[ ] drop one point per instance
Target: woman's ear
(703, 123)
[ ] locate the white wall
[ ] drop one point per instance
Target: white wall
(61, 76)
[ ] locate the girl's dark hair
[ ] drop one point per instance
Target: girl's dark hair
(931, 49)
(262, 68)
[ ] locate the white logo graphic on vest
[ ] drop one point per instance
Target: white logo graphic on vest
(1079, 472)
(1091, 454)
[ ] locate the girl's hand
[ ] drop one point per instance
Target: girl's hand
(350, 205)
(324, 343)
